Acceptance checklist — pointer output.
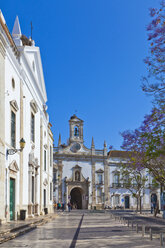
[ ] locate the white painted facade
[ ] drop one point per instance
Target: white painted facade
(97, 171)
(25, 174)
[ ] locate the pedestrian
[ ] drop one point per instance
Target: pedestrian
(69, 206)
(59, 205)
(63, 207)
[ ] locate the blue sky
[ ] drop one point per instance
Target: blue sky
(92, 53)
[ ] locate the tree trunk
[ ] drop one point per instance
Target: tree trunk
(137, 206)
(140, 203)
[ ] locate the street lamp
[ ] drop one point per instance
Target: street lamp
(13, 151)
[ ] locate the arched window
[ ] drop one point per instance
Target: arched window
(77, 176)
(76, 131)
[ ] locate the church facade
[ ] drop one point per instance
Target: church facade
(90, 178)
(25, 174)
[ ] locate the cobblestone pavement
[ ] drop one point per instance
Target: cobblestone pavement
(82, 229)
(156, 223)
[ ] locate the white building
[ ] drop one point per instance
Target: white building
(25, 176)
(90, 178)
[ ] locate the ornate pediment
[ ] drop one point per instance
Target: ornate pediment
(13, 166)
(100, 171)
(77, 167)
(14, 104)
(46, 146)
(45, 182)
(34, 106)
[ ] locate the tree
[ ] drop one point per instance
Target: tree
(134, 179)
(154, 82)
(147, 144)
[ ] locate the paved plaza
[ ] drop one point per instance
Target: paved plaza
(82, 229)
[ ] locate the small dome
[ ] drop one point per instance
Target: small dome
(73, 117)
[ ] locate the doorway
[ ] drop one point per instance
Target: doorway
(76, 198)
(12, 198)
(127, 201)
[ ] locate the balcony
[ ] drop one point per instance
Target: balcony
(153, 186)
(116, 185)
(99, 183)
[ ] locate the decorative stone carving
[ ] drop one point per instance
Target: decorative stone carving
(14, 104)
(45, 182)
(100, 171)
(34, 106)
(13, 166)
(46, 146)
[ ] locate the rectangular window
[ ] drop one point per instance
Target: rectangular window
(50, 191)
(100, 178)
(116, 200)
(116, 178)
(45, 160)
(13, 129)
(50, 156)
(32, 127)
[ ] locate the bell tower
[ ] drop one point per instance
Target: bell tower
(76, 129)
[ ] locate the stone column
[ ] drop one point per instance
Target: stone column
(3, 202)
(60, 168)
(30, 190)
(36, 193)
(93, 184)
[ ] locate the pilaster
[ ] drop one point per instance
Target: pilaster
(21, 153)
(93, 183)
(41, 166)
(60, 170)
(106, 180)
(2, 129)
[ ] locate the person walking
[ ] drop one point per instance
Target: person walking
(69, 206)
(63, 207)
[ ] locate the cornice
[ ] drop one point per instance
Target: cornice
(78, 157)
(9, 37)
(2, 46)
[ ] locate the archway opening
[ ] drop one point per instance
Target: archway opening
(76, 198)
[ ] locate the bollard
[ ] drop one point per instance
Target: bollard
(161, 239)
(132, 225)
(150, 231)
(137, 228)
(143, 230)
(128, 223)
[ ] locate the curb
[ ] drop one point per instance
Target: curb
(22, 229)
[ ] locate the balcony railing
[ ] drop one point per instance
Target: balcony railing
(99, 152)
(116, 185)
(99, 182)
(123, 185)
(153, 186)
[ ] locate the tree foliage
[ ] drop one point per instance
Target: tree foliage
(154, 82)
(147, 144)
(134, 179)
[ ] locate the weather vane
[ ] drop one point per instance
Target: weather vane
(76, 111)
(31, 29)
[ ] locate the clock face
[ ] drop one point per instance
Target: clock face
(75, 147)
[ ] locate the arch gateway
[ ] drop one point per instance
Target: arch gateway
(79, 170)
(88, 177)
